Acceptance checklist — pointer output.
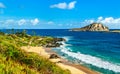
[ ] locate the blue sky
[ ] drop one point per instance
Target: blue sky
(58, 14)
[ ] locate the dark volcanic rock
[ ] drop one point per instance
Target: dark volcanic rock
(55, 42)
(53, 56)
(92, 27)
(53, 45)
(59, 39)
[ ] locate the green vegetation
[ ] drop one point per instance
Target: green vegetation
(13, 60)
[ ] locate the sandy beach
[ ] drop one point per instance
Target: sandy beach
(63, 63)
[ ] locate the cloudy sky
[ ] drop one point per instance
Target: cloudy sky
(58, 14)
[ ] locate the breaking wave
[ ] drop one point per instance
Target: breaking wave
(95, 61)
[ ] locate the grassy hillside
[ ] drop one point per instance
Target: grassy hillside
(13, 60)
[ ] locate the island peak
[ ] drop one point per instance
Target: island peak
(92, 27)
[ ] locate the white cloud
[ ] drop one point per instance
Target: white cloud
(71, 5)
(88, 21)
(2, 5)
(26, 23)
(22, 22)
(108, 21)
(60, 5)
(64, 5)
(9, 21)
(50, 22)
(35, 21)
(100, 18)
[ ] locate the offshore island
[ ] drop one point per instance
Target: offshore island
(92, 27)
(95, 27)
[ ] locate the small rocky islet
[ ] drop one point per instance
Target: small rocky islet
(95, 27)
(92, 27)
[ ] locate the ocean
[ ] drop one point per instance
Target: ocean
(99, 51)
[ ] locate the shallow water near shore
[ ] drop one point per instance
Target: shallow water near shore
(98, 51)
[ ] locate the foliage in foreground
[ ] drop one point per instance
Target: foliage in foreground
(15, 61)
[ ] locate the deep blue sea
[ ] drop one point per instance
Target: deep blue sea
(98, 51)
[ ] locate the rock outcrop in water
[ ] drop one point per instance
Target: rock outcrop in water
(55, 42)
(92, 27)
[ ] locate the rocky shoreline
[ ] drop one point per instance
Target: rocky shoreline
(55, 43)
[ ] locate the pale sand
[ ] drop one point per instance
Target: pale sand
(38, 50)
(73, 70)
(41, 51)
(55, 60)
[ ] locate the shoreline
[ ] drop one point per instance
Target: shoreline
(66, 62)
(61, 62)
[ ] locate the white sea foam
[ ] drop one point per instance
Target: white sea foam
(67, 38)
(64, 44)
(92, 60)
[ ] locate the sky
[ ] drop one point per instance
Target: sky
(58, 14)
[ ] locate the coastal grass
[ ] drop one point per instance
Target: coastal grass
(13, 60)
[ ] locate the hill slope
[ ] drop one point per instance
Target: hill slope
(13, 60)
(92, 27)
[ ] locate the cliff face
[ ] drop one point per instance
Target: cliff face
(92, 27)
